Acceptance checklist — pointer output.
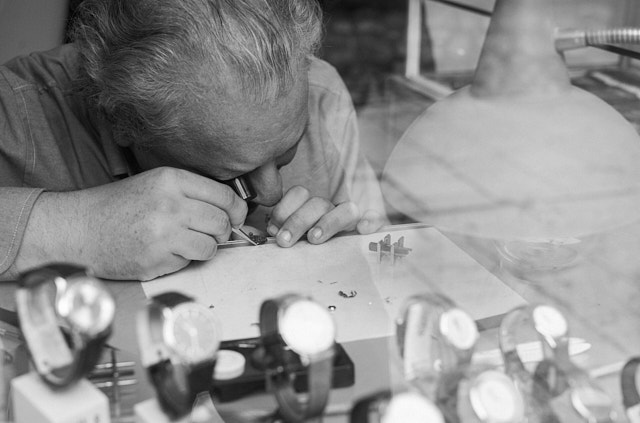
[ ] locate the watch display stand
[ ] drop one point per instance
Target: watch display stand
(35, 401)
(149, 411)
(252, 380)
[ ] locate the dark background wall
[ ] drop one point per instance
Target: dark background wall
(365, 40)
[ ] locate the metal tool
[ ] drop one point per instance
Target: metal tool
(242, 234)
(242, 187)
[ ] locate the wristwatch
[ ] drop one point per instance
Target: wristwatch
(66, 315)
(297, 331)
(401, 407)
(434, 338)
(483, 395)
(570, 391)
(551, 328)
(178, 341)
(492, 397)
(629, 387)
(557, 383)
(581, 398)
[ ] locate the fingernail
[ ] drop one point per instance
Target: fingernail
(272, 229)
(316, 233)
(364, 224)
(285, 236)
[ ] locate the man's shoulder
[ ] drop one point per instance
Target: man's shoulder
(56, 67)
(323, 76)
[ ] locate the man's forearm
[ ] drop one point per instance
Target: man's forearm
(15, 208)
(53, 232)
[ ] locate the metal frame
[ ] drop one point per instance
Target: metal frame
(415, 17)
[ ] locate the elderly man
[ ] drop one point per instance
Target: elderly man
(114, 149)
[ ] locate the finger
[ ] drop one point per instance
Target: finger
(193, 245)
(207, 219)
(302, 220)
(343, 217)
(370, 222)
(292, 201)
(215, 193)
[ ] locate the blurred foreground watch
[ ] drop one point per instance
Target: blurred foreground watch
(400, 407)
(296, 331)
(629, 387)
(66, 315)
(435, 338)
(178, 341)
(558, 389)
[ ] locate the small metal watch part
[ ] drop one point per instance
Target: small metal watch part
(351, 294)
(395, 250)
(257, 238)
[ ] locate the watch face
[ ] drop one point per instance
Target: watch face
(495, 398)
(86, 305)
(411, 407)
(459, 328)
(549, 321)
(191, 331)
(307, 327)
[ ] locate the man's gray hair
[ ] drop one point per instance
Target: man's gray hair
(141, 61)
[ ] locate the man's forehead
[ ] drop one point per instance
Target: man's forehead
(239, 119)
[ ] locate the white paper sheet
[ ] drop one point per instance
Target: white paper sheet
(240, 278)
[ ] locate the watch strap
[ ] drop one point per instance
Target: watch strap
(363, 407)
(83, 353)
(556, 349)
(35, 277)
(550, 379)
(175, 401)
(630, 395)
(84, 361)
(170, 397)
(292, 407)
(177, 385)
(429, 353)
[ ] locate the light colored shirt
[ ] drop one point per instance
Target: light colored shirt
(50, 141)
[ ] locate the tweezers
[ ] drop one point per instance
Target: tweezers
(242, 234)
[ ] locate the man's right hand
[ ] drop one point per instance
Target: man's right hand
(138, 228)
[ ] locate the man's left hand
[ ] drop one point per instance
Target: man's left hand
(298, 213)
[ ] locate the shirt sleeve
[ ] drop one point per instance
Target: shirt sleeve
(16, 200)
(15, 207)
(352, 177)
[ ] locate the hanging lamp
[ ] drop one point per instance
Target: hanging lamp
(520, 154)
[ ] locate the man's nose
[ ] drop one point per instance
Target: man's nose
(267, 183)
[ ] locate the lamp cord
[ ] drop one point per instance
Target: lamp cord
(573, 39)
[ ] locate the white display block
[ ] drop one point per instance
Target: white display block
(34, 401)
(149, 411)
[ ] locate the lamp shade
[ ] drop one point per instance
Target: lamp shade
(520, 153)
